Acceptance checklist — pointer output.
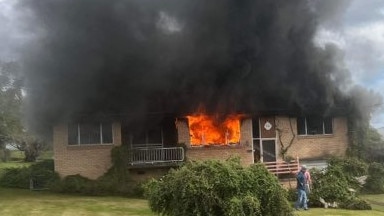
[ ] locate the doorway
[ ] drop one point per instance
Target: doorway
(264, 139)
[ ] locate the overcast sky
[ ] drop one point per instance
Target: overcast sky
(362, 39)
(360, 34)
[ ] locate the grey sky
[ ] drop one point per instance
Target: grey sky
(362, 39)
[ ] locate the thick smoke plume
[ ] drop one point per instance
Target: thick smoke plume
(138, 57)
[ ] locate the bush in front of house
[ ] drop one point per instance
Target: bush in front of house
(375, 180)
(334, 184)
(356, 204)
(218, 188)
(116, 181)
(351, 168)
(330, 185)
(109, 184)
(73, 184)
(39, 174)
(292, 194)
(15, 177)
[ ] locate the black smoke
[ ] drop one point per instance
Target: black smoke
(138, 57)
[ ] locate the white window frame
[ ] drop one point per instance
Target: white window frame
(101, 141)
(306, 128)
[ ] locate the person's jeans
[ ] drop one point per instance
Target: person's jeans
(301, 199)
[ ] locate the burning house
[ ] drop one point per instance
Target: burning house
(179, 80)
(84, 148)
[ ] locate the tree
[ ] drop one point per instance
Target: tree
(374, 146)
(10, 104)
(365, 142)
(12, 130)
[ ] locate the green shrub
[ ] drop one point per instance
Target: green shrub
(217, 188)
(16, 177)
(5, 154)
(243, 206)
(74, 184)
(116, 181)
(331, 185)
(292, 194)
(356, 204)
(41, 173)
(375, 180)
(351, 168)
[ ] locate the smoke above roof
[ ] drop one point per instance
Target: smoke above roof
(173, 56)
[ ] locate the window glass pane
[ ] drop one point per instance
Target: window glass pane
(154, 136)
(90, 133)
(269, 150)
(73, 134)
(255, 128)
(314, 125)
(328, 129)
(107, 133)
(301, 126)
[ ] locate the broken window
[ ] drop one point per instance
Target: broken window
(314, 125)
(90, 133)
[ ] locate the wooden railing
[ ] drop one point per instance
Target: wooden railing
(283, 167)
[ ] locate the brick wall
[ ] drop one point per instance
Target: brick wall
(183, 135)
(313, 146)
(90, 161)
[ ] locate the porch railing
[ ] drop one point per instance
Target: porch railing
(156, 155)
(283, 167)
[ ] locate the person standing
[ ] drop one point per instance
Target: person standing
(308, 180)
(301, 189)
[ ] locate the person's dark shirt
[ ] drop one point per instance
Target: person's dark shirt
(300, 177)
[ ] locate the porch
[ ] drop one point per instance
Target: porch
(280, 167)
(173, 156)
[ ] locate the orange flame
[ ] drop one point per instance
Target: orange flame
(208, 130)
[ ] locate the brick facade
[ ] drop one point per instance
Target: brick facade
(90, 161)
(313, 146)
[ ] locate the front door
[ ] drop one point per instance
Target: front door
(264, 139)
(269, 150)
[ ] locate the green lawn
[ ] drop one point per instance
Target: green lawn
(42, 203)
(377, 202)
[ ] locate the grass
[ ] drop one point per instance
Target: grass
(377, 202)
(43, 203)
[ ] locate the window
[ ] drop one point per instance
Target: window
(149, 138)
(90, 133)
(314, 125)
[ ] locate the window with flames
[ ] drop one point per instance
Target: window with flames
(211, 130)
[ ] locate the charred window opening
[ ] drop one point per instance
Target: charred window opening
(154, 132)
(255, 128)
(314, 125)
(150, 138)
(89, 133)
